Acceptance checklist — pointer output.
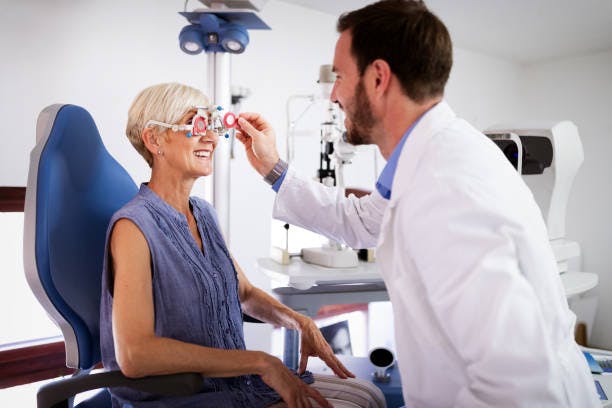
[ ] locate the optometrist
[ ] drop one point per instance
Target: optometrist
(481, 317)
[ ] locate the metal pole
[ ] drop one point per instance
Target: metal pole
(220, 94)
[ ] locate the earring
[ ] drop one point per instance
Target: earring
(159, 152)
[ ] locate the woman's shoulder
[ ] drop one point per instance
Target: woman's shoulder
(136, 203)
(135, 209)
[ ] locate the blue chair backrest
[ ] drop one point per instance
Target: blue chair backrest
(74, 187)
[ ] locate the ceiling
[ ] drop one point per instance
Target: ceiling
(524, 31)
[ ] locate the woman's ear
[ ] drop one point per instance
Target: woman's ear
(151, 140)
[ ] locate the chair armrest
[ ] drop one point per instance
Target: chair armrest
(57, 393)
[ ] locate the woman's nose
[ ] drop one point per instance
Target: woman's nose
(211, 136)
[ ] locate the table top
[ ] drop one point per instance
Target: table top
(301, 275)
(576, 283)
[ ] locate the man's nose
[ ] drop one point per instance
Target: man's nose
(333, 97)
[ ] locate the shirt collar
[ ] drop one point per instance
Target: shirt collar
(385, 180)
(158, 202)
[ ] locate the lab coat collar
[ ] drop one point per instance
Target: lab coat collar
(430, 123)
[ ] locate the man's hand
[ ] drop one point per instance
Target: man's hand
(259, 141)
(313, 344)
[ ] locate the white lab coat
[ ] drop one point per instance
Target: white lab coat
(481, 318)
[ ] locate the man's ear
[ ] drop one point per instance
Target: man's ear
(381, 72)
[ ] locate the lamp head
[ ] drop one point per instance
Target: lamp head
(234, 38)
(190, 39)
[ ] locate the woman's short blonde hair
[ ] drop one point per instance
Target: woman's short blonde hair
(166, 103)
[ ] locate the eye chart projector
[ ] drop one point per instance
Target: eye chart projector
(548, 156)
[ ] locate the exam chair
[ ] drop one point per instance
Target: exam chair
(74, 187)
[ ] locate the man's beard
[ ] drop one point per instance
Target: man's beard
(361, 118)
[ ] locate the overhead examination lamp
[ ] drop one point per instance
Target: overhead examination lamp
(219, 28)
(212, 34)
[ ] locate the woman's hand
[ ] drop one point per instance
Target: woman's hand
(292, 390)
(314, 344)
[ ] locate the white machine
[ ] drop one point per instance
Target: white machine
(334, 155)
(548, 156)
(334, 149)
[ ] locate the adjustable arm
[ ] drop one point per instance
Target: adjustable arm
(57, 394)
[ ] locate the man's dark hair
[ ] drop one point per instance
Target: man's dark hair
(410, 38)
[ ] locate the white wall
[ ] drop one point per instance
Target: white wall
(579, 89)
(484, 90)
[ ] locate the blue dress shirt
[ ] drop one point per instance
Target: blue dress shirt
(385, 180)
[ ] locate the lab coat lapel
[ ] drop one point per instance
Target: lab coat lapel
(432, 122)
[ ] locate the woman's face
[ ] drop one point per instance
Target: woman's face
(193, 155)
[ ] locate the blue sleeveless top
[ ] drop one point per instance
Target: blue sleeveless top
(195, 296)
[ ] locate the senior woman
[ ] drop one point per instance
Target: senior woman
(173, 296)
